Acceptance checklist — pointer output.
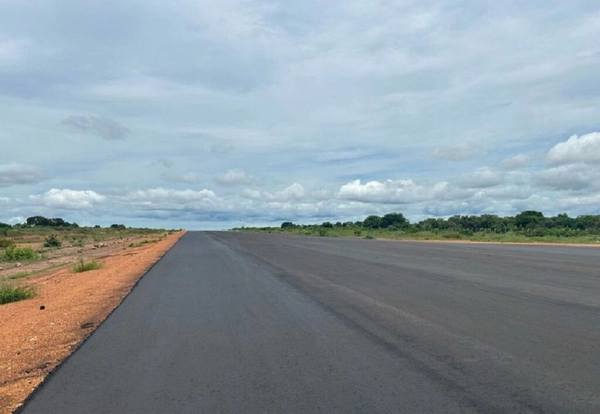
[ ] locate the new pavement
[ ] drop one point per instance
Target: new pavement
(261, 323)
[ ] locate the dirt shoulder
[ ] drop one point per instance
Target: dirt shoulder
(39, 333)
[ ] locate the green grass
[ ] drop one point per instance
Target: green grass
(10, 293)
(83, 266)
(19, 275)
(18, 254)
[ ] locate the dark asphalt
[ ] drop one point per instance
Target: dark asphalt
(259, 323)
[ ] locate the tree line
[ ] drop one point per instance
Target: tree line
(531, 223)
(41, 221)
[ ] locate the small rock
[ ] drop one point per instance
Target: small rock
(18, 265)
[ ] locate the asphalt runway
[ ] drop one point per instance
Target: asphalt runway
(261, 323)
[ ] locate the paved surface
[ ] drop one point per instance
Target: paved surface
(241, 323)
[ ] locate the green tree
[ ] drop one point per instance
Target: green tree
(529, 219)
(372, 222)
(394, 219)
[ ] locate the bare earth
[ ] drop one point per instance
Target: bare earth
(35, 339)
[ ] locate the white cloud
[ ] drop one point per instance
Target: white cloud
(69, 199)
(573, 177)
(252, 194)
(389, 191)
(16, 220)
(162, 198)
(577, 149)
(234, 177)
(516, 162)
(293, 193)
(15, 173)
(481, 178)
(461, 152)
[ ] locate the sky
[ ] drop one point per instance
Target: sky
(215, 114)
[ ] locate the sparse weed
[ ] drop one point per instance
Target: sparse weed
(84, 266)
(10, 293)
(19, 275)
(143, 242)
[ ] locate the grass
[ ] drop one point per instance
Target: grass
(10, 293)
(143, 242)
(18, 254)
(441, 235)
(19, 275)
(83, 266)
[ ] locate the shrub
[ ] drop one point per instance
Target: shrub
(16, 254)
(52, 241)
(86, 266)
(10, 293)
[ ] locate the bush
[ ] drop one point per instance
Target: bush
(17, 254)
(52, 241)
(10, 293)
(86, 266)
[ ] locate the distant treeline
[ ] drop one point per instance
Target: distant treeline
(528, 223)
(40, 221)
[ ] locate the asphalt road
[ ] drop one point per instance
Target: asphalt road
(259, 323)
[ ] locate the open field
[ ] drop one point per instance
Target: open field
(245, 322)
(441, 235)
(76, 244)
(38, 333)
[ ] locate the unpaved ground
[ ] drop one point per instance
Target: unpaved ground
(53, 258)
(37, 334)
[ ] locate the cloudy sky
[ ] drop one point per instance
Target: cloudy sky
(212, 114)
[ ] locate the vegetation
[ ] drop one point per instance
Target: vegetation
(83, 266)
(52, 241)
(48, 222)
(5, 243)
(527, 226)
(18, 254)
(143, 242)
(10, 293)
(19, 275)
